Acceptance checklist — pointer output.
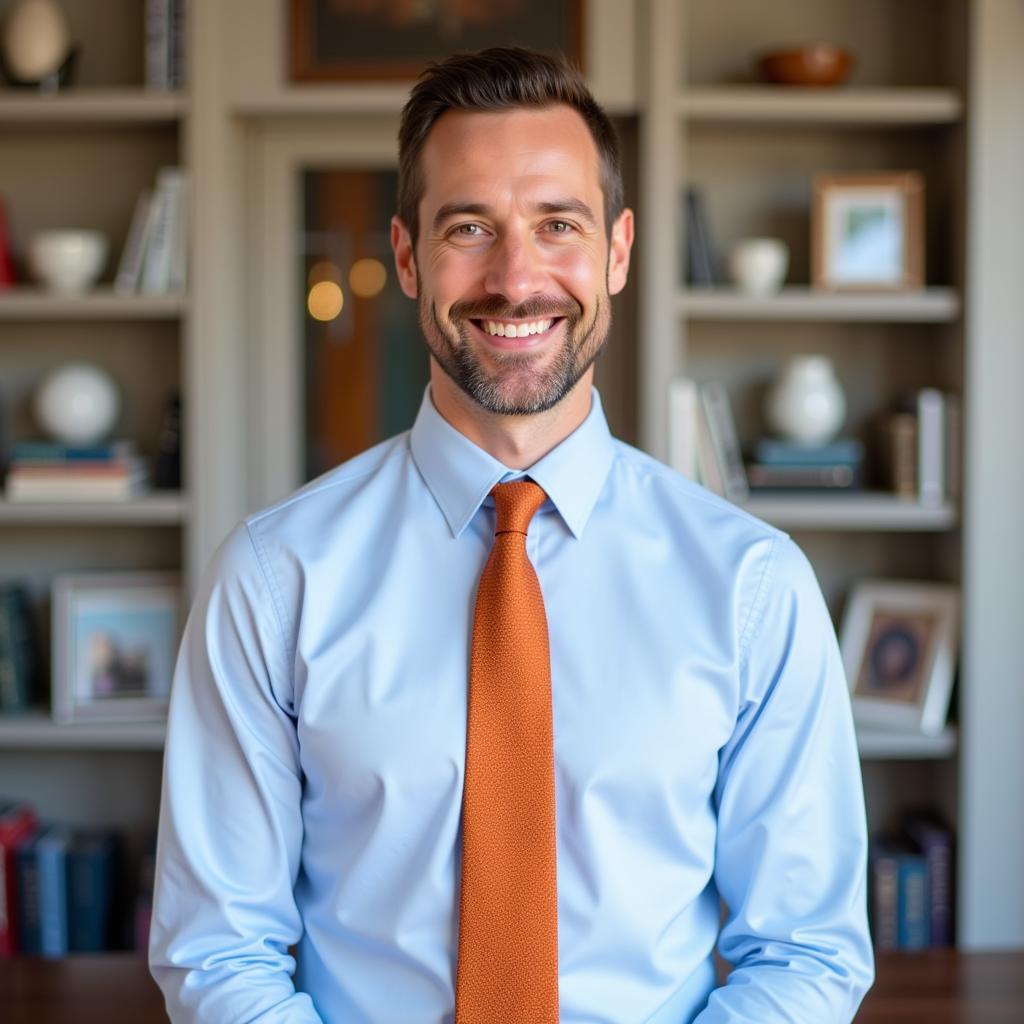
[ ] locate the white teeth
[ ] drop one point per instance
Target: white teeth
(503, 330)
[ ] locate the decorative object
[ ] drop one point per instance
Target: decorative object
(393, 39)
(806, 403)
(867, 231)
(899, 647)
(115, 638)
(68, 261)
(77, 403)
(815, 64)
(758, 266)
(35, 48)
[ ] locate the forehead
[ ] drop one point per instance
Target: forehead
(490, 155)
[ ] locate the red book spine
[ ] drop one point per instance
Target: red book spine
(16, 824)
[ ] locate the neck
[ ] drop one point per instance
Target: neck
(515, 441)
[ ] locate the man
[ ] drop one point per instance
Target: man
(461, 793)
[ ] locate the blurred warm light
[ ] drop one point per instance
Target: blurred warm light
(367, 277)
(325, 270)
(325, 300)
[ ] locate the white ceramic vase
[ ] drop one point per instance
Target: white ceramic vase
(806, 403)
(758, 266)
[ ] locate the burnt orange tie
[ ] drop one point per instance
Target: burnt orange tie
(508, 926)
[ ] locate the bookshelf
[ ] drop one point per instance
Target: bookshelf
(80, 158)
(935, 105)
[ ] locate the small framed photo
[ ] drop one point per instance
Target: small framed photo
(867, 232)
(374, 40)
(115, 640)
(899, 646)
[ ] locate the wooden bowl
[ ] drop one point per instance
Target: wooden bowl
(816, 64)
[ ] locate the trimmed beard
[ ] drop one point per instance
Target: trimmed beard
(535, 391)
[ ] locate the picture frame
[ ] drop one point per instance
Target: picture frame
(899, 643)
(115, 638)
(379, 40)
(867, 232)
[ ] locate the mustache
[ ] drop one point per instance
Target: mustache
(536, 307)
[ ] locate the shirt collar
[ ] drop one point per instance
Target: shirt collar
(460, 475)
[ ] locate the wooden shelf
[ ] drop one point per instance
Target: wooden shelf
(862, 510)
(127, 105)
(29, 303)
(928, 305)
(35, 730)
(836, 107)
(157, 509)
(877, 745)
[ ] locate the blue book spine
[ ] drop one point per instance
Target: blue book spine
(53, 892)
(27, 868)
(45, 451)
(774, 452)
(913, 921)
(90, 877)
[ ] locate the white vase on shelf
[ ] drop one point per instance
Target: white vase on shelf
(806, 403)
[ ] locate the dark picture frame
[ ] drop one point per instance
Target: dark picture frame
(377, 40)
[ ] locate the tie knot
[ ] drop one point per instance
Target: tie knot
(516, 503)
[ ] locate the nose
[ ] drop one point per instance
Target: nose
(515, 268)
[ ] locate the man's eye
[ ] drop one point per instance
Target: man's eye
(560, 227)
(467, 230)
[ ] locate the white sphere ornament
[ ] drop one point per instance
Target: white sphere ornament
(35, 39)
(78, 403)
(806, 404)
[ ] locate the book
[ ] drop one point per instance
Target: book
(166, 218)
(724, 442)
(159, 26)
(129, 270)
(883, 881)
(90, 881)
(772, 451)
(178, 272)
(84, 483)
(840, 476)
(18, 662)
(913, 899)
(177, 44)
(899, 454)
(931, 454)
(934, 841)
(17, 824)
(683, 418)
(167, 468)
(954, 446)
(55, 452)
(700, 262)
(42, 892)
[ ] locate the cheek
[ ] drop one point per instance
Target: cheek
(453, 277)
(580, 273)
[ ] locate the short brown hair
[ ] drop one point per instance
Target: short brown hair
(501, 78)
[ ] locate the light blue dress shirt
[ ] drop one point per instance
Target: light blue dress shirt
(704, 750)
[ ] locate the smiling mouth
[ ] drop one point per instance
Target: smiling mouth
(516, 329)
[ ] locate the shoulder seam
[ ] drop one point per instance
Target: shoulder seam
(280, 613)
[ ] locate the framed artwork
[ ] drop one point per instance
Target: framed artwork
(115, 640)
(867, 232)
(899, 647)
(374, 40)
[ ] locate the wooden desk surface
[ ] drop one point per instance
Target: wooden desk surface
(940, 987)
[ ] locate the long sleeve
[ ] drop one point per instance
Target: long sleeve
(230, 821)
(791, 850)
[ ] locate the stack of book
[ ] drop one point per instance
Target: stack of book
(153, 260)
(165, 44)
(43, 471)
(787, 465)
(921, 448)
(63, 888)
(911, 886)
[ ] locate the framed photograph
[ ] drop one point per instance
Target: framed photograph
(867, 232)
(115, 640)
(333, 40)
(899, 646)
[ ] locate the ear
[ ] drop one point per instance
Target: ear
(405, 257)
(618, 252)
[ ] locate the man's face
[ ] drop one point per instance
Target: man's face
(513, 268)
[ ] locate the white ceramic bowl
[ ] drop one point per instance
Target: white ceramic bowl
(758, 265)
(68, 261)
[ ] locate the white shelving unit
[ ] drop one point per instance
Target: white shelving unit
(795, 303)
(29, 303)
(129, 105)
(157, 508)
(37, 731)
(893, 746)
(857, 511)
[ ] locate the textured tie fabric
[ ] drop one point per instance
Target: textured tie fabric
(508, 926)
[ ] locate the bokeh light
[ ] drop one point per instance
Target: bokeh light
(367, 277)
(325, 300)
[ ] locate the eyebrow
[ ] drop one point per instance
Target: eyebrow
(567, 205)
